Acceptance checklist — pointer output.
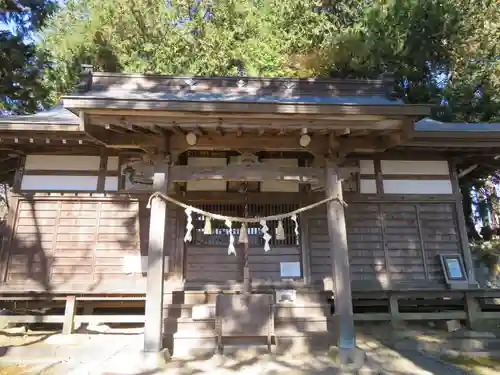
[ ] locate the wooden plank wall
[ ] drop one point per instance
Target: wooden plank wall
(80, 244)
(212, 263)
(389, 243)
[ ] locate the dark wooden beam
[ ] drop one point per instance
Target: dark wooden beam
(340, 259)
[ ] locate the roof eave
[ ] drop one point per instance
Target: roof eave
(20, 126)
(76, 103)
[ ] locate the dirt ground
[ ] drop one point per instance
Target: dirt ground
(118, 352)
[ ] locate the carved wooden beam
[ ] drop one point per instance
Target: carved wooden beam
(257, 172)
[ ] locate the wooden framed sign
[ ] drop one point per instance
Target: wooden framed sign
(453, 270)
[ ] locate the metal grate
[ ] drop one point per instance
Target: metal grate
(220, 233)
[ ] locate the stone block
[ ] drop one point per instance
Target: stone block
(201, 312)
(453, 325)
(157, 360)
(474, 334)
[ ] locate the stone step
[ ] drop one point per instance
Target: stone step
(178, 311)
(322, 324)
(202, 297)
(176, 325)
(194, 346)
(202, 345)
(281, 310)
(302, 310)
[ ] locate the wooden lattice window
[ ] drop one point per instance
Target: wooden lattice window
(220, 233)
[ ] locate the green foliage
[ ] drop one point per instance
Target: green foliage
(440, 50)
(22, 66)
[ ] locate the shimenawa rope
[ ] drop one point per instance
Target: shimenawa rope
(244, 219)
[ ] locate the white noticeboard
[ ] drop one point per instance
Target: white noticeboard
(290, 269)
(454, 268)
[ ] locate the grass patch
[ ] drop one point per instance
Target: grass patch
(477, 365)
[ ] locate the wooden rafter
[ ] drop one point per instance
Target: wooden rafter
(114, 128)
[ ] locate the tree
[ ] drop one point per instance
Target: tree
(22, 65)
(442, 52)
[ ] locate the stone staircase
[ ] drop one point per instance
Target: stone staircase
(301, 327)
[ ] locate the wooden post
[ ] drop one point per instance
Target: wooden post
(69, 315)
(340, 258)
(153, 326)
(473, 311)
(394, 311)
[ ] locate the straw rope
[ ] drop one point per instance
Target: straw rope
(244, 219)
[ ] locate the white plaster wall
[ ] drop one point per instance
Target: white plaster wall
(59, 183)
(417, 187)
(111, 183)
(366, 167)
(62, 162)
(367, 186)
(416, 167)
(206, 185)
(113, 163)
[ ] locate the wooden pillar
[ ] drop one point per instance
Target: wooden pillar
(153, 326)
(340, 258)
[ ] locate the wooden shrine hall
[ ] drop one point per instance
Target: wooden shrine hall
(238, 208)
